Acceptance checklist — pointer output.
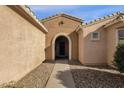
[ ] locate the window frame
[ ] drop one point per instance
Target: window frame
(118, 33)
(118, 38)
(95, 39)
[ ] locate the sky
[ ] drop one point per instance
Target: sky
(85, 12)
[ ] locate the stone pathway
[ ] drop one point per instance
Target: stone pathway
(61, 76)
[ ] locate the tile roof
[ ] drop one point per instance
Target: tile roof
(64, 15)
(103, 18)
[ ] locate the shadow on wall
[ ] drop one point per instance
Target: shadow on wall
(37, 78)
(89, 78)
(95, 48)
(74, 38)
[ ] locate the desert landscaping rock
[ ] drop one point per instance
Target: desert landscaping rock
(95, 77)
(83, 76)
(36, 78)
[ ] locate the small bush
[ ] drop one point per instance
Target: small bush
(119, 57)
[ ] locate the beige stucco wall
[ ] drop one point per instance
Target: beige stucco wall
(93, 52)
(21, 45)
(68, 28)
(112, 40)
(81, 46)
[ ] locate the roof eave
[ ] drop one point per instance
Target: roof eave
(28, 15)
(79, 29)
(62, 15)
(113, 22)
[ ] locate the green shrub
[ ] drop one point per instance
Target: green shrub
(119, 57)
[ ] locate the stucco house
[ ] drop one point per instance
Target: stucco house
(25, 41)
(92, 44)
(22, 42)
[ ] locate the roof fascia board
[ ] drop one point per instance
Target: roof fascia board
(62, 15)
(113, 22)
(21, 10)
(79, 28)
(99, 21)
(73, 18)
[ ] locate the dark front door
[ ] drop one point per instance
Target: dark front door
(61, 47)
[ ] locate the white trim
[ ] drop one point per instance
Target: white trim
(95, 39)
(53, 44)
(116, 37)
(120, 29)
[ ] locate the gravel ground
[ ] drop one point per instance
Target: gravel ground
(36, 78)
(84, 76)
(96, 77)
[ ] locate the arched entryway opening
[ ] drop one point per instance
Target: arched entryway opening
(61, 48)
(67, 40)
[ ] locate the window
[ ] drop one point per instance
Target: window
(95, 36)
(121, 36)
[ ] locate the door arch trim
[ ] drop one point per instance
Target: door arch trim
(53, 44)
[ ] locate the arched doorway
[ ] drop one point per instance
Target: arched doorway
(61, 48)
(69, 44)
